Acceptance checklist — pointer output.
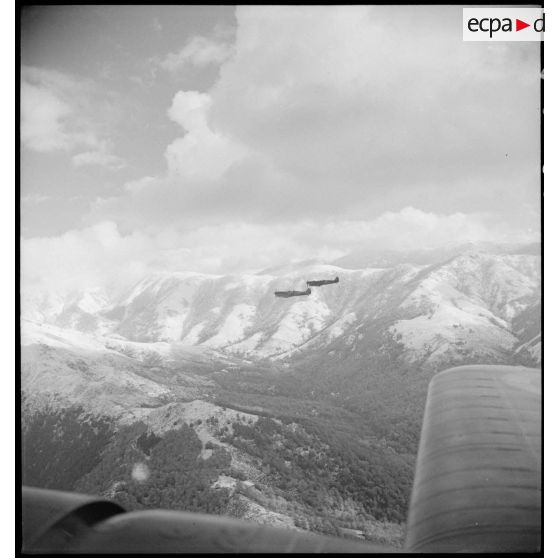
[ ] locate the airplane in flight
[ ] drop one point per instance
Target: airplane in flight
(477, 488)
(322, 282)
(288, 294)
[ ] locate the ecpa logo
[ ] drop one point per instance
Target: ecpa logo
(503, 24)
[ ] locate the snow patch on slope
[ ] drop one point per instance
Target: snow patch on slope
(45, 334)
(340, 326)
(194, 334)
(247, 345)
(302, 320)
(239, 319)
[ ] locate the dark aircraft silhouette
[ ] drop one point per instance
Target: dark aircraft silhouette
(322, 282)
(477, 488)
(287, 294)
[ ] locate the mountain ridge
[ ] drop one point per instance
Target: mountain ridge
(238, 314)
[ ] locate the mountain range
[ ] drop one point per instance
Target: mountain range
(475, 304)
(341, 372)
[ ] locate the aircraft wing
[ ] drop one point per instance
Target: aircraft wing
(477, 485)
(62, 522)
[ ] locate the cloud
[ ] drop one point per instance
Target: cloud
(48, 111)
(327, 127)
(330, 112)
(199, 51)
(135, 186)
(63, 113)
(412, 228)
(202, 154)
(42, 119)
(79, 258)
(100, 156)
(89, 257)
(361, 102)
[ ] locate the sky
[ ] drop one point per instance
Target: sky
(226, 140)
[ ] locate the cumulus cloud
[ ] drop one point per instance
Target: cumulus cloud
(79, 258)
(48, 111)
(89, 257)
(202, 154)
(412, 228)
(328, 127)
(199, 51)
(331, 112)
(42, 119)
(364, 100)
(135, 186)
(60, 112)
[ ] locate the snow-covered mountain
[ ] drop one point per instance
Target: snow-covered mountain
(471, 304)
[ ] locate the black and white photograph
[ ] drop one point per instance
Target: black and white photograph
(280, 278)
